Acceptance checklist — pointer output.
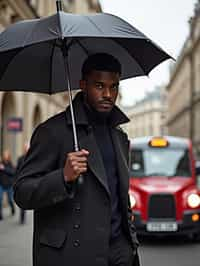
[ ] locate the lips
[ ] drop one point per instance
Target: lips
(106, 104)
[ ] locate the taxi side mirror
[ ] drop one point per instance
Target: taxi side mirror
(197, 171)
(197, 168)
(198, 174)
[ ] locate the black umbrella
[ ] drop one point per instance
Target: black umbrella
(46, 55)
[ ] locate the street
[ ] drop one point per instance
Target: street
(173, 252)
(15, 240)
(15, 247)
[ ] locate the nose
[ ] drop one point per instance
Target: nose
(107, 92)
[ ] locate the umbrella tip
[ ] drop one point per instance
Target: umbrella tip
(59, 5)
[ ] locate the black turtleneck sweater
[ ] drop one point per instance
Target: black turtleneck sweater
(101, 130)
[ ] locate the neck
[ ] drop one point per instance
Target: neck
(95, 116)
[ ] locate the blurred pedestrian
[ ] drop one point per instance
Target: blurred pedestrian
(22, 215)
(7, 173)
(79, 223)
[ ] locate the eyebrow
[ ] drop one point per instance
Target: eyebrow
(101, 82)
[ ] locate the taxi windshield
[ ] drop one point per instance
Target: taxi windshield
(160, 162)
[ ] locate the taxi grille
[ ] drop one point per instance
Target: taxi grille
(162, 206)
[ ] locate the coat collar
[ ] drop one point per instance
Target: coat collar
(87, 141)
(117, 116)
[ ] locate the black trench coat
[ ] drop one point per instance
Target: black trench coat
(71, 231)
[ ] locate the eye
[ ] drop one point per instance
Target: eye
(99, 86)
(115, 86)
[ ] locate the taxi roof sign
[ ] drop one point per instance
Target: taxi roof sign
(158, 142)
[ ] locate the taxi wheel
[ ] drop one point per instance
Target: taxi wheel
(196, 237)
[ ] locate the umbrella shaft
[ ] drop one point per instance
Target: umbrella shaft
(80, 179)
(59, 5)
(76, 147)
(66, 64)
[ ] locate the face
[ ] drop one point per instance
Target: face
(6, 155)
(101, 89)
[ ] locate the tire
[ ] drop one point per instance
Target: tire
(196, 237)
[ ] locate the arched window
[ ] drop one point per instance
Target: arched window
(8, 111)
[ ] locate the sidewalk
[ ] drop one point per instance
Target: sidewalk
(15, 240)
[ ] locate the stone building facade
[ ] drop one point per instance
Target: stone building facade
(32, 108)
(148, 116)
(184, 87)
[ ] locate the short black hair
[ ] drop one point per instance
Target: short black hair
(100, 62)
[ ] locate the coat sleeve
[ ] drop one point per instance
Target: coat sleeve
(9, 170)
(40, 181)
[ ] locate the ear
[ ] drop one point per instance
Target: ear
(82, 84)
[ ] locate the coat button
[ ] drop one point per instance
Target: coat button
(57, 199)
(76, 226)
(77, 208)
(105, 203)
(76, 243)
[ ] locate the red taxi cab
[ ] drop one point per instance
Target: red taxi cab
(163, 190)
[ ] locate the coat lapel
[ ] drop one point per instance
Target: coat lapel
(95, 162)
(121, 152)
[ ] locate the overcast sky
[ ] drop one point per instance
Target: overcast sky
(163, 21)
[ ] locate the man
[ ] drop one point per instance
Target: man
(90, 223)
(7, 172)
(22, 216)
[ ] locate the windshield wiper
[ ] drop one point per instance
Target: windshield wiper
(158, 174)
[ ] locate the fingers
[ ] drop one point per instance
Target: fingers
(76, 164)
(73, 157)
(79, 157)
(78, 161)
(79, 153)
(79, 170)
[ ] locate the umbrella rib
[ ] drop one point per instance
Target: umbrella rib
(30, 33)
(20, 49)
(146, 73)
(82, 46)
(51, 59)
(69, 44)
(92, 22)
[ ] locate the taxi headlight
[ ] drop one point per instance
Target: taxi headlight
(133, 201)
(193, 200)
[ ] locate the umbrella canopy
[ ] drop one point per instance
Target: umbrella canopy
(33, 52)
